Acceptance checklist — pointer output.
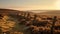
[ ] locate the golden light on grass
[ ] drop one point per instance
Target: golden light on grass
(6, 25)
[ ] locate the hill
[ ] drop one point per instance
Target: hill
(50, 12)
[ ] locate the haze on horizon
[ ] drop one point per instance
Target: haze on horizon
(30, 4)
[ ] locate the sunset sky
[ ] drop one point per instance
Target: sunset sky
(31, 4)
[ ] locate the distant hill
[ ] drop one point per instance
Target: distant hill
(7, 10)
(40, 12)
(50, 12)
(14, 12)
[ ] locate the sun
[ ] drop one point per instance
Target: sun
(57, 4)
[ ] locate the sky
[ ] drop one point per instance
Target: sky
(30, 4)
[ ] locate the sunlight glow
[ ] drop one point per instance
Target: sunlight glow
(57, 4)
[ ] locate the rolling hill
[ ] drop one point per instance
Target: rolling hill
(50, 12)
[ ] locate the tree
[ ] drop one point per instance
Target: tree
(52, 28)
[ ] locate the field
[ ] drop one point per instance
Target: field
(28, 23)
